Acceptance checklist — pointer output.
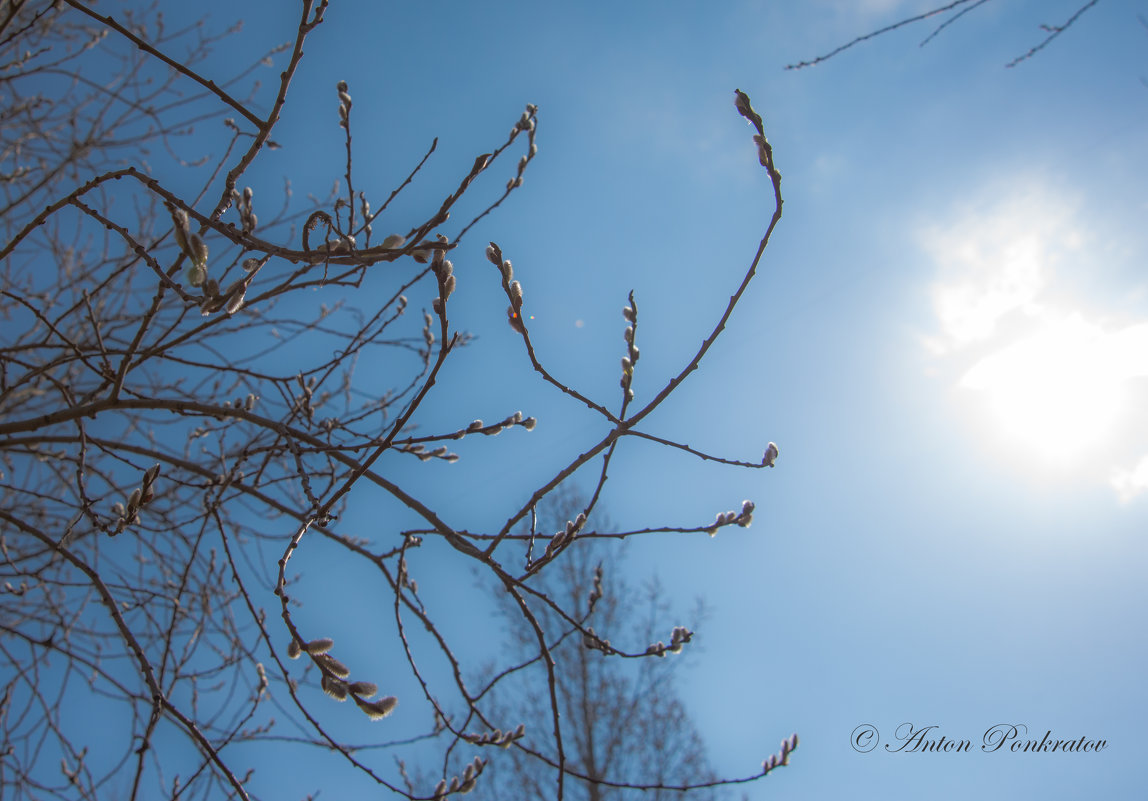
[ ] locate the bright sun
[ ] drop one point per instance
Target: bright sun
(1053, 380)
(1056, 393)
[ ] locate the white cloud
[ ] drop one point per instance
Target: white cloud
(994, 262)
(1129, 483)
(1053, 377)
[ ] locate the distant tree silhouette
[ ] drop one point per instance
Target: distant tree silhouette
(627, 725)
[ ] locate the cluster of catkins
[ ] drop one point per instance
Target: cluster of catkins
(478, 427)
(595, 643)
(444, 272)
(247, 218)
(596, 590)
(498, 737)
(141, 496)
(525, 123)
(788, 746)
(512, 288)
(743, 519)
(335, 681)
(679, 637)
(195, 249)
(460, 784)
(629, 312)
(562, 537)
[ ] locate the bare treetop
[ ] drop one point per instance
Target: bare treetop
(174, 429)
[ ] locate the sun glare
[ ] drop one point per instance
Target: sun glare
(1056, 393)
(1051, 374)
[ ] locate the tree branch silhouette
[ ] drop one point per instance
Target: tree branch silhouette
(180, 427)
(958, 9)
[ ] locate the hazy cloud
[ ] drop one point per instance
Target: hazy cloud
(1053, 375)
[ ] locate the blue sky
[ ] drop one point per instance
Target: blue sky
(948, 340)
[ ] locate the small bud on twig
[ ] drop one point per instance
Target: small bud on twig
(377, 710)
(494, 254)
(320, 646)
(771, 454)
(332, 665)
(364, 689)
